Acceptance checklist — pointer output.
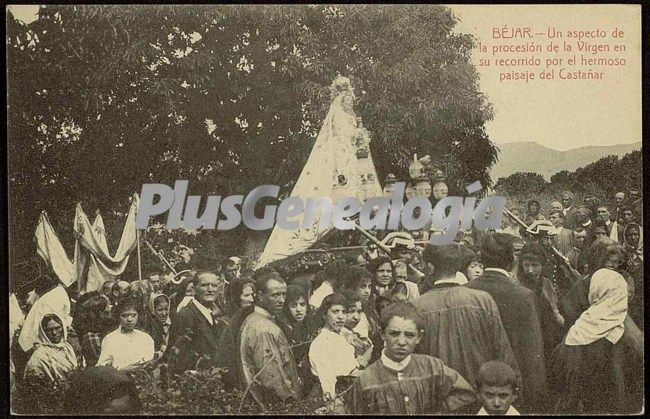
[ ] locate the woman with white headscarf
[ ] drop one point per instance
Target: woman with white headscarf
(53, 356)
(594, 368)
(156, 321)
(51, 364)
(55, 300)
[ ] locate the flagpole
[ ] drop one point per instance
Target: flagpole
(79, 274)
(137, 235)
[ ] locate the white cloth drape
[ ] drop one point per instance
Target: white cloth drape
(91, 249)
(333, 155)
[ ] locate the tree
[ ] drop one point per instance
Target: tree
(105, 98)
(561, 180)
(522, 184)
(605, 176)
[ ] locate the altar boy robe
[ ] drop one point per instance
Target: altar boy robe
(424, 386)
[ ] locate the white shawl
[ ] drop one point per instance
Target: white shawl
(605, 317)
(54, 301)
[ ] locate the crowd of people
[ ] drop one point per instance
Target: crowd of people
(534, 318)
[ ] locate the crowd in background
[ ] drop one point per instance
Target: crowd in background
(544, 319)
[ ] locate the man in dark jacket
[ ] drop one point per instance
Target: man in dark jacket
(604, 219)
(462, 326)
(517, 307)
(569, 210)
(195, 331)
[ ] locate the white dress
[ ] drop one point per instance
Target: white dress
(330, 356)
(124, 349)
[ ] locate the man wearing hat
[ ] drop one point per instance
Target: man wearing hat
(402, 246)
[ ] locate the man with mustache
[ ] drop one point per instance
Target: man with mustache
(604, 219)
(195, 331)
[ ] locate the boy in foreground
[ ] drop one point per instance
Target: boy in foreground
(402, 382)
(497, 386)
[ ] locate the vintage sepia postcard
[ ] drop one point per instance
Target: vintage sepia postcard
(379, 209)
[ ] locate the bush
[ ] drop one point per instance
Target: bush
(38, 397)
(200, 392)
(203, 392)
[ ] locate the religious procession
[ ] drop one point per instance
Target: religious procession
(540, 314)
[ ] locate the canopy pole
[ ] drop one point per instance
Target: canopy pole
(137, 235)
(78, 284)
(161, 257)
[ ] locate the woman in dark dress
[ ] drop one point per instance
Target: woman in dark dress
(597, 369)
(531, 274)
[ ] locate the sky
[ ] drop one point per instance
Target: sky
(559, 114)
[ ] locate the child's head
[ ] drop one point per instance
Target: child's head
(296, 304)
(355, 309)
(127, 312)
(120, 289)
(472, 267)
(497, 384)
(531, 261)
(359, 281)
(382, 302)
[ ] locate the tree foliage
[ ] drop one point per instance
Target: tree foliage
(105, 98)
(600, 179)
(610, 174)
(522, 184)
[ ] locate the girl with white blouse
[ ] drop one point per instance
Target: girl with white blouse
(126, 346)
(330, 354)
